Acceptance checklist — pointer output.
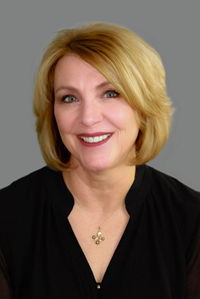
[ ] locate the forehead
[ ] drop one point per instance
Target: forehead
(72, 67)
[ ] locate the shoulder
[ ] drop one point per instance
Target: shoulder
(26, 180)
(25, 192)
(26, 183)
(174, 197)
(24, 201)
(171, 187)
(178, 201)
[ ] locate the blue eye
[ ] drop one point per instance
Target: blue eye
(68, 99)
(111, 94)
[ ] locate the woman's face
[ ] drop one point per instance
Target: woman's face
(96, 124)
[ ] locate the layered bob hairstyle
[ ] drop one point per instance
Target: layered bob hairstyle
(133, 67)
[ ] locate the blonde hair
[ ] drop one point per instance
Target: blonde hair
(133, 67)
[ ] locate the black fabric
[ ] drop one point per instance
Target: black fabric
(5, 288)
(157, 257)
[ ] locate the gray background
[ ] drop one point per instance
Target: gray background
(27, 26)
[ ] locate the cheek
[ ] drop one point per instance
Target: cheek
(63, 120)
(125, 119)
(61, 123)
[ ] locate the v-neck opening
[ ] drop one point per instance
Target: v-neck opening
(64, 204)
(82, 257)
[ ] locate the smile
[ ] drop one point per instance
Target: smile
(95, 139)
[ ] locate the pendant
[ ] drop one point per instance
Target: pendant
(98, 237)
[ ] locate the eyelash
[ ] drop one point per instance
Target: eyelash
(63, 99)
(113, 91)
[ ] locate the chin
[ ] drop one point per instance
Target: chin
(97, 166)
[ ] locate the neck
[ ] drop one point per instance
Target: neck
(103, 191)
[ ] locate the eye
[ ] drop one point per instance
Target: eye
(69, 99)
(111, 94)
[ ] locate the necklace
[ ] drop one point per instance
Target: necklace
(98, 237)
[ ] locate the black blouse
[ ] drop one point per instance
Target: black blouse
(158, 255)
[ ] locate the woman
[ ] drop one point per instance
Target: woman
(97, 221)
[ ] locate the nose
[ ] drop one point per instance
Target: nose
(91, 113)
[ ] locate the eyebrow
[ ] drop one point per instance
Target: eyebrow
(105, 83)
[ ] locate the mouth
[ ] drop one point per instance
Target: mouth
(94, 139)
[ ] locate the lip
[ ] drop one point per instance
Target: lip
(94, 134)
(87, 144)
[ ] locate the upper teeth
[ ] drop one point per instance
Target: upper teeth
(95, 139)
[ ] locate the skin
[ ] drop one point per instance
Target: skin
(86, 103)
